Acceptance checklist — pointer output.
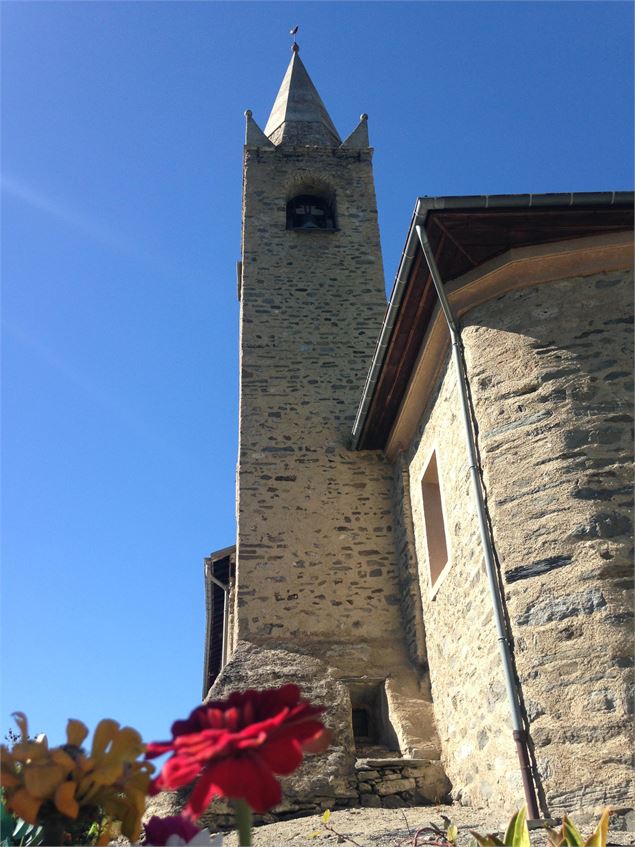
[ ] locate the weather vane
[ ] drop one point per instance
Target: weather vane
(294, 32)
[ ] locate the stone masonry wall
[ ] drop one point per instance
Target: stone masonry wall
(315, 553)
(468, 691)
(550, 371)
(411, 608)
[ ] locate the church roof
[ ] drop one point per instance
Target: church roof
(299, 116)
(465, 233)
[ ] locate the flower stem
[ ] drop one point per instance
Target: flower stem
(243, 821)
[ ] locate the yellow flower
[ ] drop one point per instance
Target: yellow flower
(30, 774)
(111, 777)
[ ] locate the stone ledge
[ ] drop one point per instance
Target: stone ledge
(397, 762)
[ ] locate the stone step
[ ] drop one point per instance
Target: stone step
(415, 780)
(367, 763)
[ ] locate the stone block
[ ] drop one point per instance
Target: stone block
(413, 772)
(434, 785)
(368, 774)
(395, 786)
(329, 774)
(384, 764)
(558, 608)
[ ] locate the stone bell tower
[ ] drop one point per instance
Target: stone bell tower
(315, 561)
(316, 594)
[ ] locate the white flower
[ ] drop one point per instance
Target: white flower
(201, 839)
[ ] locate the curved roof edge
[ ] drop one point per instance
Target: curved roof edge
(465, 204)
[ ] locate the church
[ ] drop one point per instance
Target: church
(433, 496)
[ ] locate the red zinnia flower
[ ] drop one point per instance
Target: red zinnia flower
(236, 746)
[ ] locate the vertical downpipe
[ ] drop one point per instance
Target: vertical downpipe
(519, 732)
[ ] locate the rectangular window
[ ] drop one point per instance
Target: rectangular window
(433, 517)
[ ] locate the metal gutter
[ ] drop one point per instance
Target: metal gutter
(513, 695)
(467, 202)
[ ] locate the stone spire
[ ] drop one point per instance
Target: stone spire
(299, 116)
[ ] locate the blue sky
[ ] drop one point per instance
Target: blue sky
(122, 138)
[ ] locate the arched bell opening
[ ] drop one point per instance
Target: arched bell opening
(310, 211)
(311, 204)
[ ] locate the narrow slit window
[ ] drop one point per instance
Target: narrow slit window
(433, 517)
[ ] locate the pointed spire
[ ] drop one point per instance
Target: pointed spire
(254, 136)
(359, 136)
(299, 116)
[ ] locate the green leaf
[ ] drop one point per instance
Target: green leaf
(452, 832)
(601, 834)
(572, 837)
(517, 834)
(326, 816)
(7, 823)
(15, 831)
(314, 834)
